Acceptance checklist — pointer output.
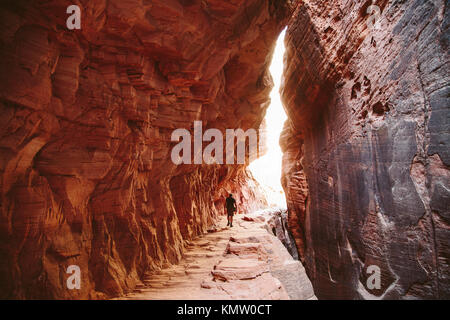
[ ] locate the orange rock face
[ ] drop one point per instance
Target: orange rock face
(87, 117)
(366, 162)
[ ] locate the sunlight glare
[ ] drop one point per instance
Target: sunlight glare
(267, 169)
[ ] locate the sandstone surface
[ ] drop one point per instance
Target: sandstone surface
(226, 265)
(85, 133)
(366, 147)
(86, 175)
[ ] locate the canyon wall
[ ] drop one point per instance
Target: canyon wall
(366, 147)
(85, 133)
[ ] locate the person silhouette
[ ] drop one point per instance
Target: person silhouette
(231, 207)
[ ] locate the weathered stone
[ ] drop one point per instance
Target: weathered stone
(85, 139)
(365, 165)
(235, 268)
(254, 250)
(85, 134)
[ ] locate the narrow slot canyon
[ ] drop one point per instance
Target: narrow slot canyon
(115, 140)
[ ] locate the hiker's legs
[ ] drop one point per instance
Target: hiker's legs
(231, 221)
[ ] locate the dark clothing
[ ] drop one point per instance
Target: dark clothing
(231, 206)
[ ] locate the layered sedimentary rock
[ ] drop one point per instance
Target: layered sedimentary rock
(246, 262)
(87, 116)
(276, 223)
(366, 147)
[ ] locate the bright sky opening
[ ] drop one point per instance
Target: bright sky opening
(267, 169)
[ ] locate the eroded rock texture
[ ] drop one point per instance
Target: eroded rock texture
(85, 127)
(366, 147)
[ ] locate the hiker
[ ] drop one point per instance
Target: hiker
(230, 205)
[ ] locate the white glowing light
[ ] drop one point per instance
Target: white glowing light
(267, 169)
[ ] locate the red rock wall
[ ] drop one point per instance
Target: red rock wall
(366, 147)
(86, 120)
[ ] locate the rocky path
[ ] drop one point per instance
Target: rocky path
(243, 262)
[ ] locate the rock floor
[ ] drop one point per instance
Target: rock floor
(242, 262)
